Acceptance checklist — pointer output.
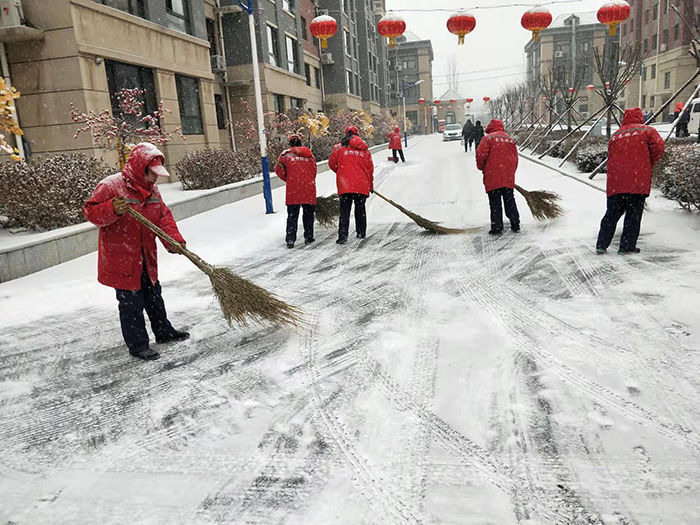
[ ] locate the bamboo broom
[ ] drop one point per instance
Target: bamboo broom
(544, 205)
(240, 300)
(423, 222)
(328, 210)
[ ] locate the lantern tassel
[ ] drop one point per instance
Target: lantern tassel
(392, 41)
(613, 29)
(536, 35)
(461, 40)
(324, 43)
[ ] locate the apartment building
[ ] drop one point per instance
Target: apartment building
(412, 61)
(570, 41)
(90, 49)
(665, 40)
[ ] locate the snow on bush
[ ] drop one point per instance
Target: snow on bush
(50, 192)
(591, 155)
(681, 176)
(209, 168)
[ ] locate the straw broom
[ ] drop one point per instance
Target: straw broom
(328, 210)
(240, 300)
(544, 205)
(422, 221)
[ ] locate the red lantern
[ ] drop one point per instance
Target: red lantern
(453, 101)
(590, 87)
(323, 27)
(461, 24)
(421, 101)
(470, 100)
(436, 102)
(613, 13)
(486, 99)
(544, 99)
(571, 90)
(607, 85)
(536, 19)
(391, 26)
(627, 81)
(440, 107)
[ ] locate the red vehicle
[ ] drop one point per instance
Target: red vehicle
(441, 125)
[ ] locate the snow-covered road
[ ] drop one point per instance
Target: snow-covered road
(451, 380)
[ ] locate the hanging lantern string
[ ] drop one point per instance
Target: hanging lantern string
(447, 10)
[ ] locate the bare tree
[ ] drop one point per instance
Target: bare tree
(453, 74)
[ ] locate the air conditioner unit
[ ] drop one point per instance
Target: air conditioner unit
(397, 67)
(11, 14)
(218, 63)
(399, 94)
(379, 8)
(323, 12)
(327, 59)
(558, 54)
(388, 63)
(663, 47)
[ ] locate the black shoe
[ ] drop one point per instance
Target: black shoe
(361, 235)
(290, 244)
(147, 354)
(601, 251)
(629, 252)
(496, 232)
(309, 241)
(516, 229)
(172, 337)
(341, 240)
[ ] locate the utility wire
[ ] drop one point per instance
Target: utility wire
(463, 10)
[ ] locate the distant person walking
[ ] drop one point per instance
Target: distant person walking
(395, 145)
(478, 134)
(352, 162)
(468, 135)
(682, 126)
(632, 153)
(297, 167)
(497, 157)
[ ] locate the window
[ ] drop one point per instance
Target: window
(357, 84)
(220, 113)
(656, 11)
(664, 43)
(354, 46)
(346, 39)
(273, 46)
(279, 103)
(304, 32)
(653, 71)
(644, 73)
(652, 101)
(654, 42)
(646, 45)
(292, 56)
(667, 80)
(178, 15)
(211, 36)
(624, 30)
(583, 108)
(676, 32)
(134, 7)
(297, 103)
(696, 108)
(188, 101)
(317, 74)
(349, 75)
(646, 16)
(307, 73)
(666, 5)
(126, 76)
(288, 5)
(409, 63)
(644, 101)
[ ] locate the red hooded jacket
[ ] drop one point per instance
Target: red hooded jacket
(497, 157)
(395, 140)
(297, 167)
(353, 167)
(632, 152)
(122, 240)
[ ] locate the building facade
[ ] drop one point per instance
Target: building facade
(665, 39)
(93, 48)
(568, 43)
(411, 61)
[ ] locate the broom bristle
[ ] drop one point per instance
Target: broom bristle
(242, 301)
(544, 205)
(328, 210)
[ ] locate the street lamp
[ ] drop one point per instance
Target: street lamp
(404, 87)
(267, 187)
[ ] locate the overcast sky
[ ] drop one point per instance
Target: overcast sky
(493, 56)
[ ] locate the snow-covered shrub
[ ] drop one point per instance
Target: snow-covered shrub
(49, 192)
(590, 156)
(681, 176)
(208, 168)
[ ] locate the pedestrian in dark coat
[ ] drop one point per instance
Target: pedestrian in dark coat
(395, 145)
(478, 134)
(632, 153)
(497, 157)
(468, 135)
(683, 117)
(352, 162)
(297, 167)
(127, 257)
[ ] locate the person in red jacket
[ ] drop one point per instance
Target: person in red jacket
(632, 152)
(127, 257)
(497, 157)
(297, 167)
(351, 160)
(395, 145)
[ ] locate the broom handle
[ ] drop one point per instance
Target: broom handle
(521, 190)
(198, 261)
(387, 199)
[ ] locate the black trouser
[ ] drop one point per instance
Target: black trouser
(682, 130)
(293, 221)
(131, 306)
(396, 152)
(477, 141)
(632, 207)
(495, 197)
(467, 143)
(346, 201)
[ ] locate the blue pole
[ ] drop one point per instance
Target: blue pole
(267, 187)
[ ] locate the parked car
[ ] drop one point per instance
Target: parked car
(452, 132)
(694, 123)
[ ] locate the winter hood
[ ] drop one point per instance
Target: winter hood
(633, 116)
(494, 126)
(396, 129)
(135, 168)
(301, 152)
(357, 143)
